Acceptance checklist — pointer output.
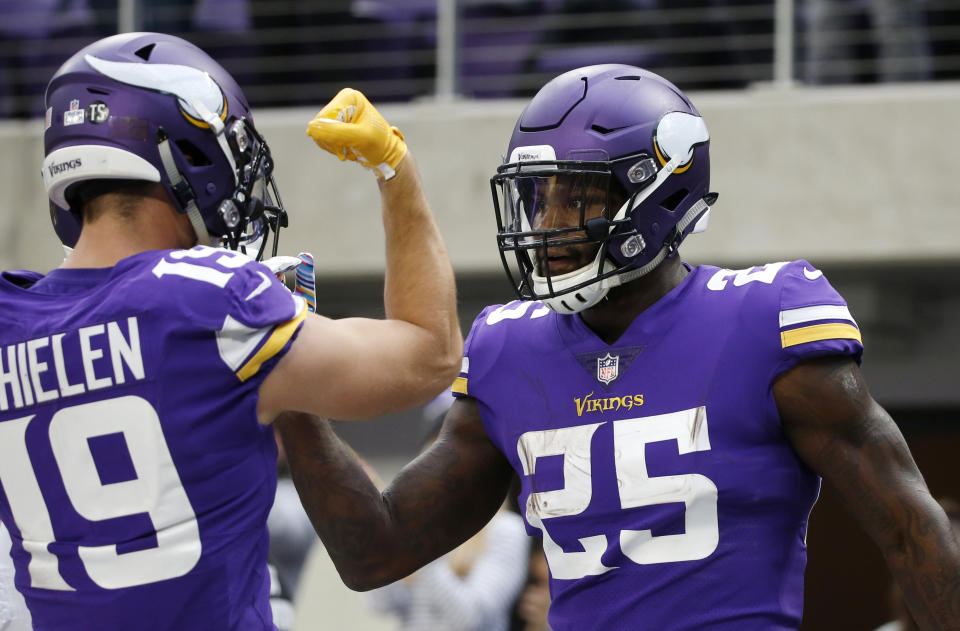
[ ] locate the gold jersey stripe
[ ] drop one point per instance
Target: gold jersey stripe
(459, 385)
(276, 341)
(819, 332)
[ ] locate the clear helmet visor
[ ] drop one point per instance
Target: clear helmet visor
(554, 208)
(549, 216)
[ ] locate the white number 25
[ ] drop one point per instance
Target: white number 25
(156, 491)
(636, 488)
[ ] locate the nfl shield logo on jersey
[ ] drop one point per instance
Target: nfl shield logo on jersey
(607, 368)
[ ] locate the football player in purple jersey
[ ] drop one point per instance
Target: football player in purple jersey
(138, 380)
(671, 424)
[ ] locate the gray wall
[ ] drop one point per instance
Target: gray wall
(829, 174)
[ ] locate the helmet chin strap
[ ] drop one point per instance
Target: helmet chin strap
(181, 189)
(217, 127)
(693, 213)
(635, 273)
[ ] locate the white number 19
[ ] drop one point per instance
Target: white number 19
(156, 490)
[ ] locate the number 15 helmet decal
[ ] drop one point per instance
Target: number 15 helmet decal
(155, 108)
(610, 155)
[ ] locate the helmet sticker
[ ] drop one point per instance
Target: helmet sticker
(98, 112)
(73, 116)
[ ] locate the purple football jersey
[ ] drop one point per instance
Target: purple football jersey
(655, 469)
(135, 478)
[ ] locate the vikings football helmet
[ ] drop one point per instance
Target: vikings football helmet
(149, 107)
(610, 155)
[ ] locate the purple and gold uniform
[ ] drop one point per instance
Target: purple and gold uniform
(135, 478)
(655, 468)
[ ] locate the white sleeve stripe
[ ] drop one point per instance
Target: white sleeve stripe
(236, 342)
(299, 304)
(465, 366)
(816, 312)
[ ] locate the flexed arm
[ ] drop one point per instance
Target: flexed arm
(435, 503)
(848, 438)
(358, 368)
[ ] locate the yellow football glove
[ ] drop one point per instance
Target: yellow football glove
(351, 128)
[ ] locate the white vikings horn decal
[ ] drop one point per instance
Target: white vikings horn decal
(678, 133)
(188, 84)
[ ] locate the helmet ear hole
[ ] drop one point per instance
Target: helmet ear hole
(194, 155)
(671, 202)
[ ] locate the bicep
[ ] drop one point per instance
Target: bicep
(354, 368)
(837, 428)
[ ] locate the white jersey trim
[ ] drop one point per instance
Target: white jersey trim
(815, 313)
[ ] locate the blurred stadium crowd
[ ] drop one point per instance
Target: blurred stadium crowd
(295, 52)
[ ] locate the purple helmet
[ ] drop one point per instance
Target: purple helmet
(613, 155)
(155, 108)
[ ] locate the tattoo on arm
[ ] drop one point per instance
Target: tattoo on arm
(438, 501)
(849, 439)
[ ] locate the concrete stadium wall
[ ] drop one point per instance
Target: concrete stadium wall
(829, 174)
